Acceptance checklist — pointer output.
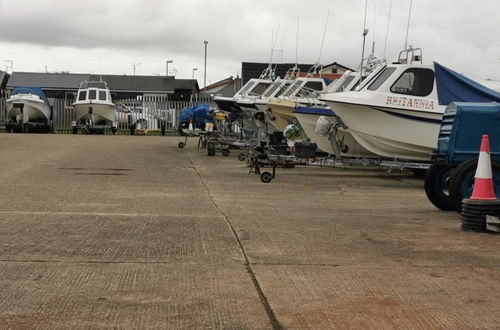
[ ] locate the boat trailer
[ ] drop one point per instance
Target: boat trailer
(88, 126)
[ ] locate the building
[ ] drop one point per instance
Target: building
(65, 85)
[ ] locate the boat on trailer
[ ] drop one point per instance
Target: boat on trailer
(28, 107)
(93, 107)
(396, 112)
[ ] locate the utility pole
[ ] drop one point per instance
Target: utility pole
(194, 69)
(205, 69)
(134, 65)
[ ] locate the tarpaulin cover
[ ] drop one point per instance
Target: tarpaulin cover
(200, 115)
(31, 90)
(454, 87)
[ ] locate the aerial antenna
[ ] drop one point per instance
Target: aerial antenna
(324, 33)
(365, 32)
(274, 38)
(408, 25)
(374, 26)
(387, 31)
(100, 65)
(297, 44)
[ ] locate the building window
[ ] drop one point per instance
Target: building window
(414, 81)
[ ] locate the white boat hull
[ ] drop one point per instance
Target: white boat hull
(34, 109)
(354, 149)
(101, 112)
(391, 132)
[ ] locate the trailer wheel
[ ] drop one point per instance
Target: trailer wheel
(436, 186)
(75, 130)
(462, 181)
(242, 157)
(225, 152)
(181, 145)
(266, 177)
(8, 128)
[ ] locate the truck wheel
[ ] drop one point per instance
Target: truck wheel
(462, 181)
(242, 157)
(436, 186)
(225, 152)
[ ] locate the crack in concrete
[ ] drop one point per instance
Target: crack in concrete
(263, 299)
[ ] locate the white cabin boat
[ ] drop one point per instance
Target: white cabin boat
(28, 104)
(94, 103)
(396, 112)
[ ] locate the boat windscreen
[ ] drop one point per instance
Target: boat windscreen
(102, 95)
(414, 81)
(293, 88)
(283, 89)
(92, 94)
(259, 89)
(82, 95)
(245, 88)
(345, 83)
(273, 88)
(386, 73)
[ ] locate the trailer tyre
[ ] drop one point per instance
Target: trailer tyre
(462, 181)
(242, 157)
(225, 152)
(436, 186)
(266, 177)
(181, 145)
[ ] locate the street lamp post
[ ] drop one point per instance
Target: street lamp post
(166, 68)
(194, 69)
(205, 68)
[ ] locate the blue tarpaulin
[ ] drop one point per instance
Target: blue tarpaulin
(454, 87)
(31, 90)
(199, 115)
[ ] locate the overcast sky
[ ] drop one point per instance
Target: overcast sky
(83, 36)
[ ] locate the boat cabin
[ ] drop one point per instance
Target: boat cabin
(93, 91)
(303, 87)
(254, 87)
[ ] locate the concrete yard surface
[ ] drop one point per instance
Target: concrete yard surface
(130, 232)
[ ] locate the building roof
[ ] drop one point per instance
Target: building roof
(215, 87)
(63, 81)
(118, 83)
(338, 65)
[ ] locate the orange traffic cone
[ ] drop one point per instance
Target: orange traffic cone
(483, 183)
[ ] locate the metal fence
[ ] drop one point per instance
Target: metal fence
(146, 112)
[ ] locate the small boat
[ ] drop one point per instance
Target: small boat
(28, 105)
(94, 103)
(396, 111)
(304, 91)
(308, 116)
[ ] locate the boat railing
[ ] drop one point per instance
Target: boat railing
(315, 71)
(410, 56)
